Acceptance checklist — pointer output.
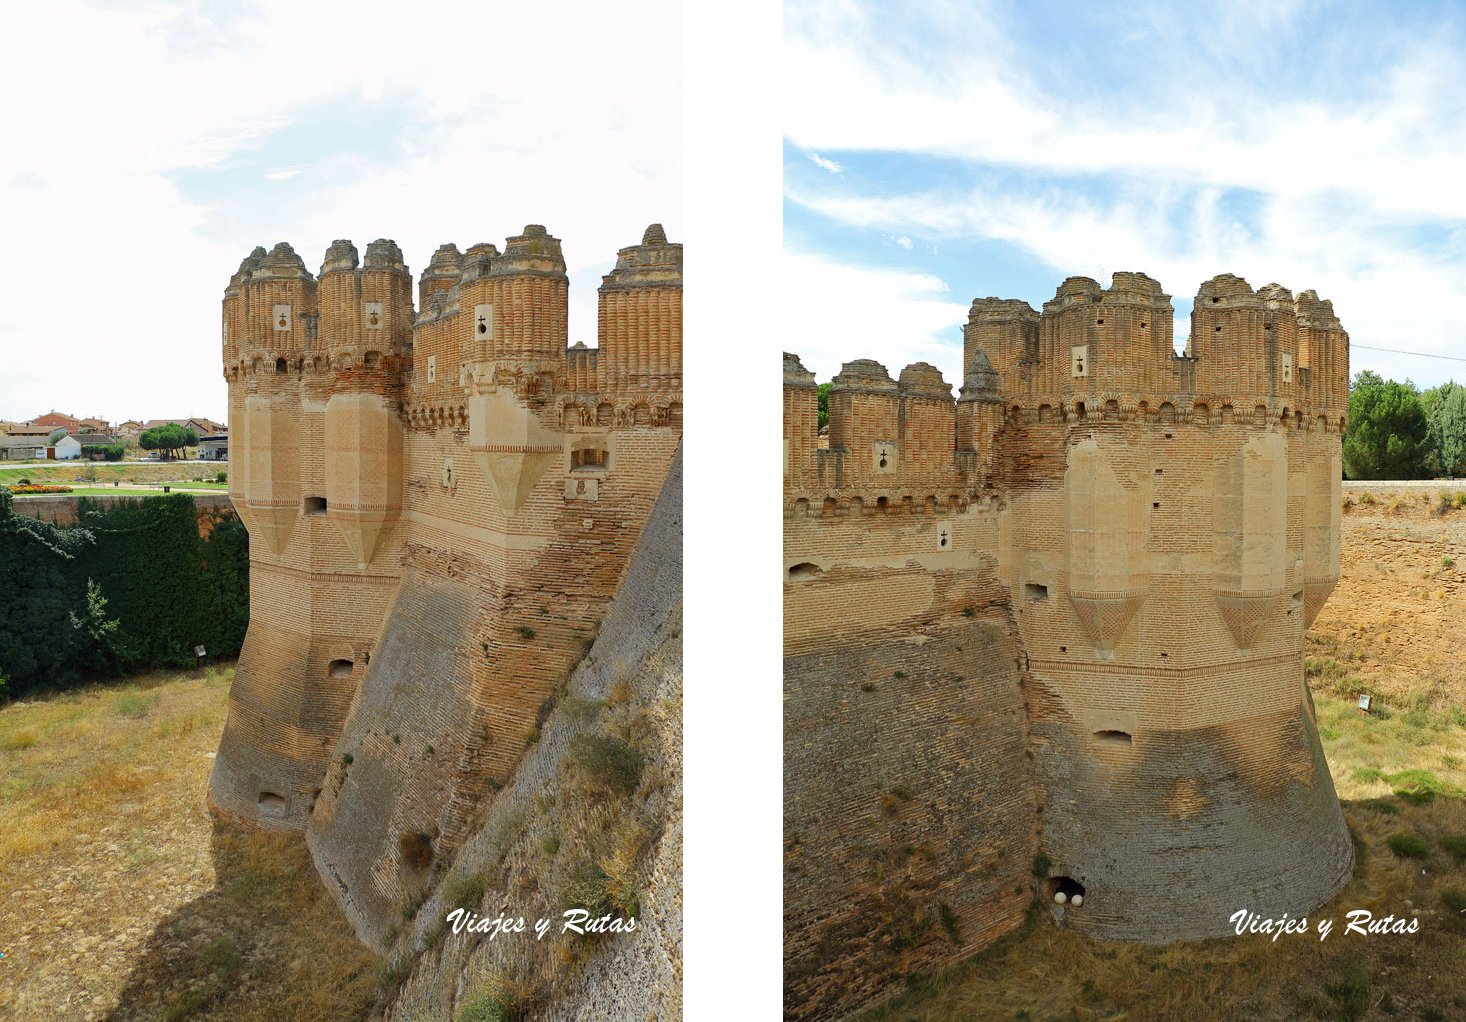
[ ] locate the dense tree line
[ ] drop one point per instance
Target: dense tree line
(1397, 431)
(129, 588)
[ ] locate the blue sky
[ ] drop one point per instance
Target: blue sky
(941, 152)
(152, 144)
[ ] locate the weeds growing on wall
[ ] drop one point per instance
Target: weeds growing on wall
(131, 587)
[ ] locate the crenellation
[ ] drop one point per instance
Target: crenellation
(1147, 536)
(441, 505)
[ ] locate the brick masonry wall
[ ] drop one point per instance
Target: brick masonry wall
(909, 806)
(429, 559)
(60, 508)
(1142, 539)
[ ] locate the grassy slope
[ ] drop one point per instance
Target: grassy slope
(108, 472)
(1393, 629)
(121, 898)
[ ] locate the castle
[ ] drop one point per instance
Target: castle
(1047, 639)
(442, 503)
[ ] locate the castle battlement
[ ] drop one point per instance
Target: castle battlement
(1256, 358)
(441, 504)
(1059, 619)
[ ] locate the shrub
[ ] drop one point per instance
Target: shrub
(1455, 899)
(608, 761)
(463, 890)
(1041, 865)
(525, 632)
(221, 477)
(1408, 846)
(491, 1007)
(1447, 562)
(416, 850)
(1420, 786)
(590, 887)
(1456, 845)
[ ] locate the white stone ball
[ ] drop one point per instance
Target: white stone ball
(1078, 900)
(1059, 897)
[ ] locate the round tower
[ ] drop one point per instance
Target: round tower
(1163, 570)
(517, 308)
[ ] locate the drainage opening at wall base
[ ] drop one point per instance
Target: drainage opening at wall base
(1066, 891)
(805, 569)
(271, 804)
(1114, 739)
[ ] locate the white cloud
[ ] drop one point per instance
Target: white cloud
(1344, 188)
(904, 242)
(122, 269)
(840, 313)
(830, 165)
(1402, 150)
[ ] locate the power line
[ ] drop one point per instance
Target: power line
(1418, 354)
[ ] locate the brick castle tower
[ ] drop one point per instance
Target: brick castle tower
(1055, 628)
(441, 502)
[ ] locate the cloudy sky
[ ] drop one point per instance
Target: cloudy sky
(962, 149)
(150, 145)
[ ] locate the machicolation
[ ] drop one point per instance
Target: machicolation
(1047, 638)
(442, 502)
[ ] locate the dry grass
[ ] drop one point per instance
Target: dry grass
(122, 899)
(1043, 973)
(1399, 771)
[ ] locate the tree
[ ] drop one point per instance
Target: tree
(824, 391)
(1451, 427)
(168, 438)
(1434, 402)
(1386, 438)
(114, 452)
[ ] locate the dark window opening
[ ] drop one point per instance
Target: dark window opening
(340, 669)
(315, 505)
(1215, 300)
(882, 503)
(373, 359)
(1066, 891)
(588, 457)
(1035, 591)
(1155, 505)
(271, 804)
(1114, 739)
(805, 570)
(280, 365)
(1099, 322)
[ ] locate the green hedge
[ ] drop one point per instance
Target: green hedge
(167, 589)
